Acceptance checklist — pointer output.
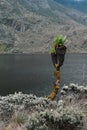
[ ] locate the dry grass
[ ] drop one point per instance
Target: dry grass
(14, 126)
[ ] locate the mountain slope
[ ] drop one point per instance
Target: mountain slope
(28, 26)
(80, 5)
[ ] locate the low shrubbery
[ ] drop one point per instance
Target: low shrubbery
(27, 112)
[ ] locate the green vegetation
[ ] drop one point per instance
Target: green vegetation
(4, 47)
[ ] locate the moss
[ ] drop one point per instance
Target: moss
(4, 47)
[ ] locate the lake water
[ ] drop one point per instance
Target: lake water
(31, 73)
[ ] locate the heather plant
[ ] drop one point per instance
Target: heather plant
(6, 110)
(36, 122)
(39, 113)
(19, 117)
(55, 120)
(65, 118)
(73, 90)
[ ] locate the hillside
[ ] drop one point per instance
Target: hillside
(80, 5)
(29, 26)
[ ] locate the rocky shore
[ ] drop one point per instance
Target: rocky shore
(28, 112)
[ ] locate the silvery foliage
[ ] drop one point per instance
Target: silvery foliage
(73, 89)
(55, 119)
(76, 94)
(44, 114)
(19, 101)
(6, 109)
(36, 121)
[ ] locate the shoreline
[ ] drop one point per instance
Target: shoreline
(33, 53)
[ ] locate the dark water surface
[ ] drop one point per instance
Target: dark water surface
(35, 73)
